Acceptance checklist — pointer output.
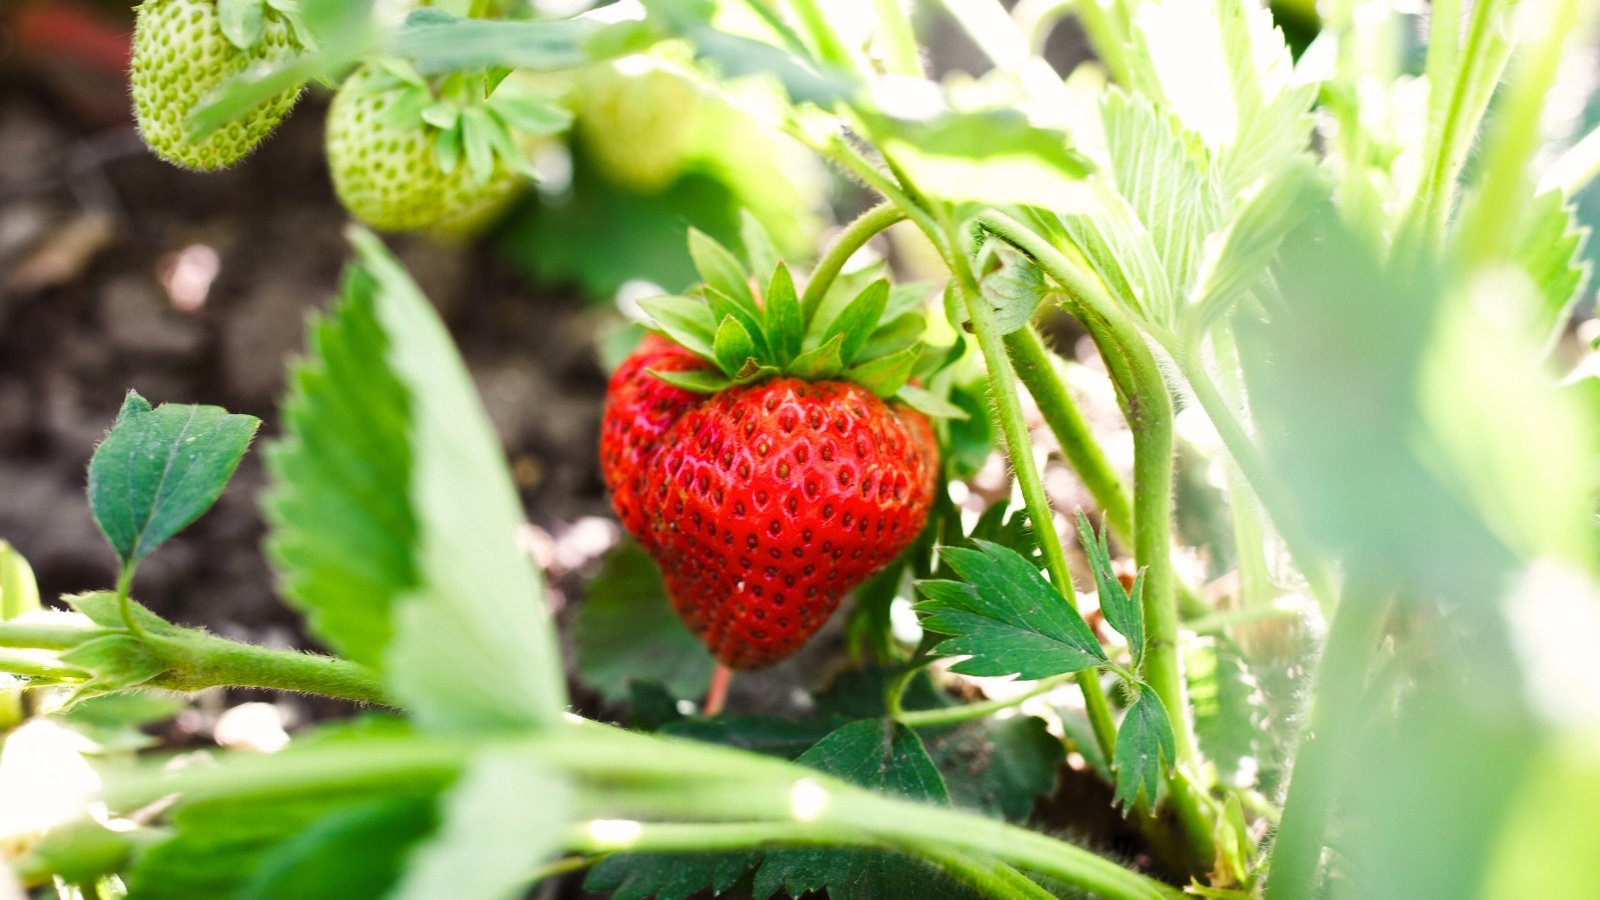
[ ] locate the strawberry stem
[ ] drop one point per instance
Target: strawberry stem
(862, 229)
(717, 694)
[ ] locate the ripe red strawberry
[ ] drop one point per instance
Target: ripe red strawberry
(769, 502)
(639, 409)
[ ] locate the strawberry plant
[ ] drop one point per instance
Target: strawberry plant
(1295, 269)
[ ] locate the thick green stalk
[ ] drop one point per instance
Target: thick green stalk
(1019, 447)
(853, 237)
(621, 772)
(814, 24)
(900, 53)
(195, 660)
(1295, 862)
(1037, 370)
(1149, 410)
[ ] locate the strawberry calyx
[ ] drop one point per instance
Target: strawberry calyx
(871, 335)
(475, 117)
(244, 22)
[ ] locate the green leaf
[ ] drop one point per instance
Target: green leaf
(721, 270)
(1229, 720)
(1005, 617)
(160, 469)
(500, 823)
(354, 850)
(896, 334)
(928, 403)
(19, 592)
(746, 313)
(530, 114)
(993, 156)
(1120, 249)
(666, 876)
(760, 253)
(1144, 744)
(1549, 248)
(858, 320)
(1123, 611)
(886, 374)
(395, 518)
(1237, 258)
(997, 766)
(733, 346)
(699, 381)
(626, 630)
(1015, 292)
(877, 754)
(686, 320)
(783, 738)
(823, 362)
(785, 323)
(1158, 170)
(242, 21)
(437, 42)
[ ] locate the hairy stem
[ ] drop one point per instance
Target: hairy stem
(1295, 863)
(1149, 411)
(1037, 370)
(195, 660)
(1019, 447)
(966, 712)
(862, 229)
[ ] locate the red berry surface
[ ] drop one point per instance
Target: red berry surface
(766, 503)
(639, 409)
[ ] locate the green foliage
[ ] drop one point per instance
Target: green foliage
(1121, 607)
(667, 876)
(455, 615)
(160, 469)
(626, 632)
(1145, 747)
(1550, 249)
(1005, 617)
(357, 848)
(993, 156)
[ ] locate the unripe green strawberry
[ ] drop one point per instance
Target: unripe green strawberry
(180, 55)
(637, 118)
(390, 174)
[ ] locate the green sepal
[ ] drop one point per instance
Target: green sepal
(785, 324)
(822, 362)
(448, 147)
(895, 335)
(760, 254)
(530, 114)
(884, 375)
(478, 143)
(443, 115)
(242, 21)
(928, 403)
(722, 305)
(858, 320)
(733, 347)
(720, 269)
(699, 381)
(684, 319)
(409, 106)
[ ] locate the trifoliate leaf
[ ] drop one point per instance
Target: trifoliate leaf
(1237, 257)
(1005, 617)
(1144, 744)
(626, 631)
(160, 469)
(1121, 609)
